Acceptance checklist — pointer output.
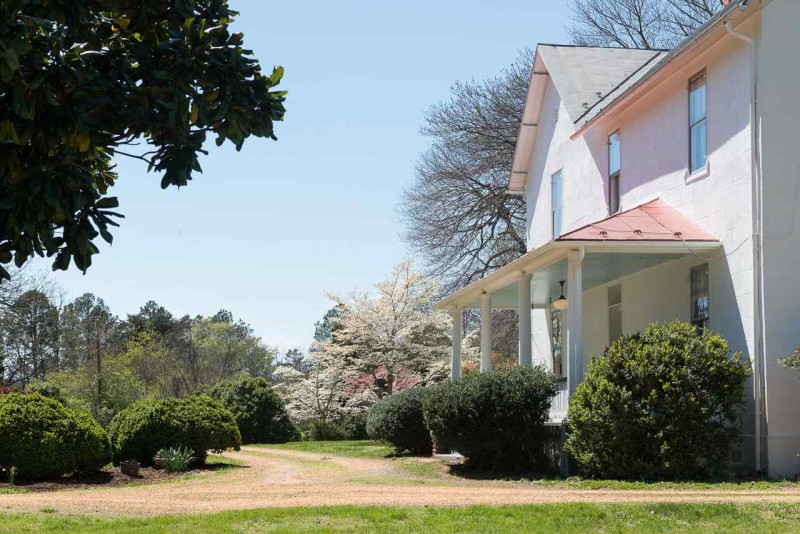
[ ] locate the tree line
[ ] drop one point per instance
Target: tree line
(103, 362)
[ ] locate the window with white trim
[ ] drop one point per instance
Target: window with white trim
(698, 127)
(698, 281)
(613, 172)
(556, 202)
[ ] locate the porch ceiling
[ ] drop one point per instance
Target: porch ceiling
(598, 268)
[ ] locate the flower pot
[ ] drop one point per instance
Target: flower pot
(130, 468)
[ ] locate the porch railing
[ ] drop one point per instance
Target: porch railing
(560, 403)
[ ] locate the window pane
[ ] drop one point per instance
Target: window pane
(700, 296)
(698, 146)
(557, 192)
(697, 104)
(558, 338)
(556, 222)
(613, 194)
(613, 153)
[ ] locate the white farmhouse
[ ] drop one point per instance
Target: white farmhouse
(660, 186)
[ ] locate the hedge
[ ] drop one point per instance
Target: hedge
(41, 438)
(398, 420)
(258, 409)
(662, 404)
(495, 419)
(198, 422)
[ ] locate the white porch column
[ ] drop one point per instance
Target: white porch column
(574, 319)
(458, 334)
(525, 351)
(486, 332)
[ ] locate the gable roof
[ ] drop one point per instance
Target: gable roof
(653, 221)
(586, 76)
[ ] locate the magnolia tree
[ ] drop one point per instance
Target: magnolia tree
(391, 338)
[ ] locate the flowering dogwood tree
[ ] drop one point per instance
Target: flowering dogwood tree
(392, 338)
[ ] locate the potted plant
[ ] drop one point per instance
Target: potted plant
(130, 468)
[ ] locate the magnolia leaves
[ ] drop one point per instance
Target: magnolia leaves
(79, 81)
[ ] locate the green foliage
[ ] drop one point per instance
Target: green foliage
(259, 410)
(354, 426)
(40, 438)
(663, 404)
(176, 459)
(495, 419)
(197, 422)
(398, 419)
(319, 430)
(81, 80)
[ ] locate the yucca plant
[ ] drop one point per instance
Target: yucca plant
(176, 459)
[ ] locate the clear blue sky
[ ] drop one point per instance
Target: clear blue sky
(267, 231)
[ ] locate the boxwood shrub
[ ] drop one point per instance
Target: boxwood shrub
(495, 419)
(398, 420)
(258, 409)
(198, 422)
(41, 438)
(662, 404)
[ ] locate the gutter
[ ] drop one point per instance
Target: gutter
(759, 362)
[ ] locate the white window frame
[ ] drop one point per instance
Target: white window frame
(700, 322)
(614, 175)
(703, 121)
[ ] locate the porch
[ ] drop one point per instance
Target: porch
(577, 262)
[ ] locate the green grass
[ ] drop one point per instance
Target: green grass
(380, 519)
(350, 449)
(726, 485)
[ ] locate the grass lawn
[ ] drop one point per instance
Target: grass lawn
(351, 449)
(532, 518)
(373, 449)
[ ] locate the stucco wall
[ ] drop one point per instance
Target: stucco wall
(779, 83)
(655, 146)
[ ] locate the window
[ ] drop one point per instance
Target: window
(557, 341)
(698, 149)
(613, 172)
(557, 194)
(698, 280)
(614, 313)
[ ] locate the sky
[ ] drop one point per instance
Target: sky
(268, 231)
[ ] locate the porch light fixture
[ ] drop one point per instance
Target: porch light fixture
(561, 303)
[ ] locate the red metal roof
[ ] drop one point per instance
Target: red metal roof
(652, 221)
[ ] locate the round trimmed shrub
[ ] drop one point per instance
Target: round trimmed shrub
(41, 438)
(495, 419)
(258, 409)
(197, 422)
(662, 404)
(398, 419)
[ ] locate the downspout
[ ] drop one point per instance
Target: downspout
(758, 257)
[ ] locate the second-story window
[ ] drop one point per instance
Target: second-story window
(698, 149)
(613, 172)
(557, 195)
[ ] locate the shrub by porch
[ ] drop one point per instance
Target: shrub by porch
(495, 419)
(662, 404)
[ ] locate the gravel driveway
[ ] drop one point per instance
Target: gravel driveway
(279, 478)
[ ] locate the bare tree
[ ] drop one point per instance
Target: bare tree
(457, 214)
(637, 23)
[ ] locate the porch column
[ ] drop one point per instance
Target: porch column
(574, 319)
(525, 352)
(486, 332)
(455, 364)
